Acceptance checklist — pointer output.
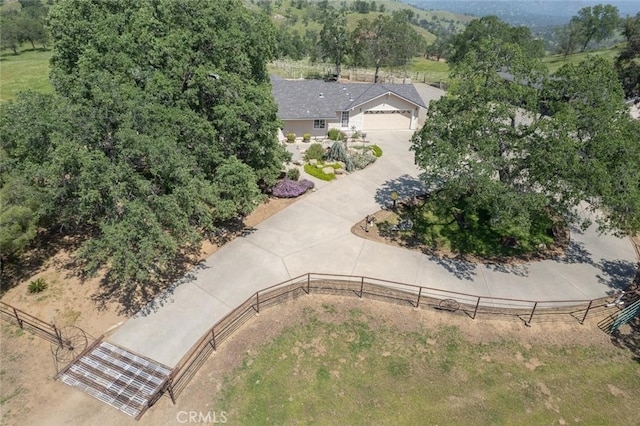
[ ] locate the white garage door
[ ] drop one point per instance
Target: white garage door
(391, 120)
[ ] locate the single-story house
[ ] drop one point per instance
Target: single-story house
(315, 106)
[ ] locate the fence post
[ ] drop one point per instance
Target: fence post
(586, 312)
(361, 286)
(58, 335)
(475, 311)
(15, 312)
(528, 323)
(419, 294)
(171, 395)
(308, 282)
(257, 301)
(213, 339)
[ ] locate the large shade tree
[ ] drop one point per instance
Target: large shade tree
(162, 127)
(596, 23)
(388, 40)
(516, 145)
(491, 29)
(334, 38)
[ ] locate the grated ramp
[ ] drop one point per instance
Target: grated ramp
(118, 378)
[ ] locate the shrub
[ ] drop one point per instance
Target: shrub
(293, 174)
(37, 286)
(307, 183)
(336, 135)
(315, 152)
(377, 151)
(317, 173)
(362, 160)
(306, 137)
(339, 153)
(291, 137)
(287, 188)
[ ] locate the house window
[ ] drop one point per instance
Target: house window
(344, 122)
(318, 124)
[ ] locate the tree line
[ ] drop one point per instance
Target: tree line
(24, 24)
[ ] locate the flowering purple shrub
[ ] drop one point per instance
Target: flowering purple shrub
(287, 188)
(307, 184)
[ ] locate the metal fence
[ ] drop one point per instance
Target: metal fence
(38, 327)
(417, 297)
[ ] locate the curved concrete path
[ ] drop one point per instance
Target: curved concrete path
(314, 235)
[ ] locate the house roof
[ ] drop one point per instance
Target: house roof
(317, 99)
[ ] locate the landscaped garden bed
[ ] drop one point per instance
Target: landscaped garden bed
(421, 224)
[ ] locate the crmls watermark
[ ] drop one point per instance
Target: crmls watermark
(201, 417)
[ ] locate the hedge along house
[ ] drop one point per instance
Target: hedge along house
(315, 106)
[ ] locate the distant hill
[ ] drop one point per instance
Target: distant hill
(301, 15)
(530, 13)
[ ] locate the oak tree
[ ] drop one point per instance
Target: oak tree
(515, 144)
(162, 128)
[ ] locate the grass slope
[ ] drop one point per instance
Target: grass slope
(29, 70)
(352, 368)
(555, 62)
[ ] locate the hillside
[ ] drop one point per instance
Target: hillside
(533, 14)
(303, 16)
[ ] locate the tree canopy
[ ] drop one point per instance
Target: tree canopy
(24, 24)
(492, 29)
(388, 40)
(516, 144)
(596, 23)
(628, 62)
(334, 38)
(161, 128)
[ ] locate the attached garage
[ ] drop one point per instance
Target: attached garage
(387, 120)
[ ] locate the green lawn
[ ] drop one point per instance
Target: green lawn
(428, 70)
(351, 367)
(555, 62)
(29, 70)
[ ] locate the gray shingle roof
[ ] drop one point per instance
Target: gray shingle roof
(307, 99)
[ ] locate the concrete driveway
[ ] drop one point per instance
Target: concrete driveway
(314, 235)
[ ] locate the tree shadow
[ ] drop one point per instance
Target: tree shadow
(628, 337)
(46, 245)
(457, 266)
(518, 269)
(163, 297)
(617, 274)
(148, 296)
(405, 186)
(575, 252)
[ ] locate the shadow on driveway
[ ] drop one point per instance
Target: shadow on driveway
(406, 186)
